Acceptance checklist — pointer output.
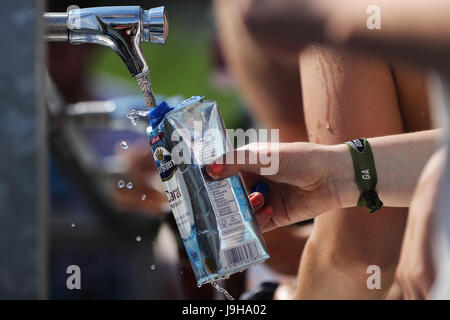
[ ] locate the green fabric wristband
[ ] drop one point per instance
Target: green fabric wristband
(365, 174)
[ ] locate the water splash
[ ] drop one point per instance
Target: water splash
(145, 85)
(134, 115)
(133, 118)
(222, 290)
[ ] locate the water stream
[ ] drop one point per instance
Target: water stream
(222, 290)
(145, 85)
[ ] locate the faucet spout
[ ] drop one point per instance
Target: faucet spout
(121, 28)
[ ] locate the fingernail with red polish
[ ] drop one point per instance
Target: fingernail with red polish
(216, 167)
(268, 211)
(257, 199)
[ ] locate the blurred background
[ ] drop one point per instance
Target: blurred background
(108, 213)
(78, 184)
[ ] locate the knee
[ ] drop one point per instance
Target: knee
(345, 251)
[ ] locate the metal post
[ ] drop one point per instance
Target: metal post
(23, 167)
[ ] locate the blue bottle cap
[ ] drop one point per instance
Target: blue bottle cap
(260, 187)
(157, 114)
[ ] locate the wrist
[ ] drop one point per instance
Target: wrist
(341, 177)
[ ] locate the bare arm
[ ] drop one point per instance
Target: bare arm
(312, 179)
(412, 31)
(399, 160)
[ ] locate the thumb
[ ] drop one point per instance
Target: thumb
(242, 159)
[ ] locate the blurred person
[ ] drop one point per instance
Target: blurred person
(421, 37)
(326, 96)
(348, 96)
(270, 87)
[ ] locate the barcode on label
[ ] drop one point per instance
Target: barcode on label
(242, 254)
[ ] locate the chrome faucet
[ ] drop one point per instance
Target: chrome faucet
(121, 28)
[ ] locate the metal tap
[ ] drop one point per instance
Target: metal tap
(121, 28)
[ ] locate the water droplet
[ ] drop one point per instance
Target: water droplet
(181, 272)
(138, 238)
(73, 225)
(124, 145)
(130, 185)
(132, 117)
(153, 267)
(121, 184)
(143, 197)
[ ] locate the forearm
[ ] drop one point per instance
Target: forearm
(414, 31)
(399, 160)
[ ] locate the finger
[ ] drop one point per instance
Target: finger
(394, 293)
(242, 159)
(257, 200)
(429, 275)
(273, 222)
(424, 286)
(416, 293)
(405, 293)
(264, 217)
(407, 288)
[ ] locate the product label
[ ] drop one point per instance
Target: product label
(164, 162)
(236, 250)
(226, 208)
(241, 254)
(176, 191)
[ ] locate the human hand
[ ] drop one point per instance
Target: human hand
(303, 185)
(415, 272)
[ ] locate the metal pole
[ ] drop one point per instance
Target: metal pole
(23, 165)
